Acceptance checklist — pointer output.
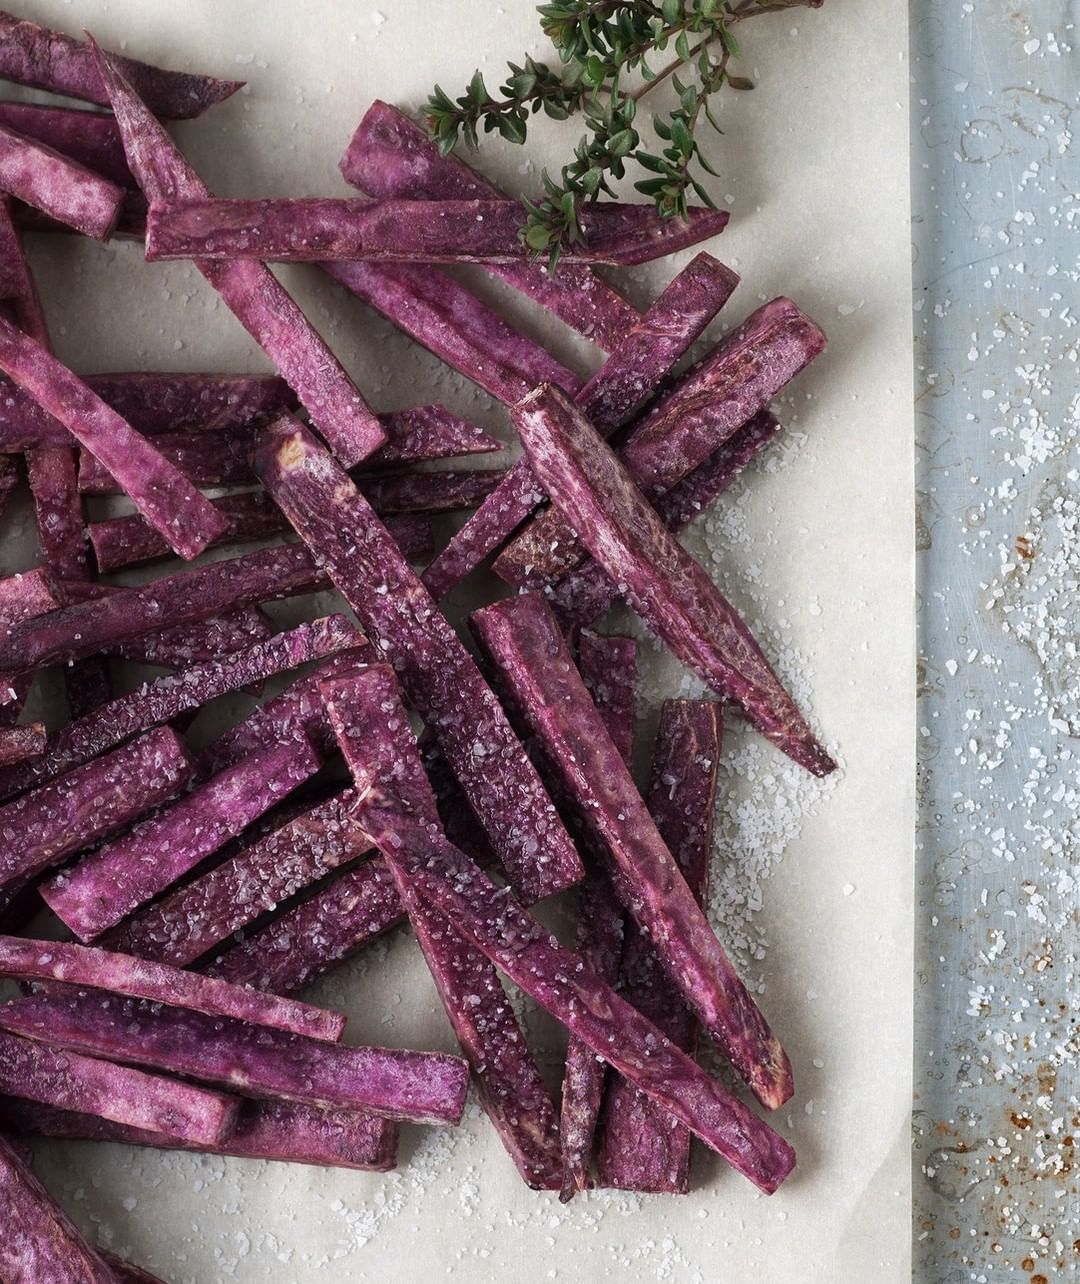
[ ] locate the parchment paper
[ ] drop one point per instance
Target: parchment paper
(816, 547)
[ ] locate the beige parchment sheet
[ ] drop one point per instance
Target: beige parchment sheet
(813, 882)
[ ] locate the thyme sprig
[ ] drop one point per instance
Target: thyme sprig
(606, 50)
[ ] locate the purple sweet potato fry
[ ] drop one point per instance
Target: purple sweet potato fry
(153, 403)
(522, 637)
(186, 598)
(22, 742)
(23, 596)
(53, 482)
(438, 674)
(57, 185)
(137, 978)
(644, 1148)
(187, 644)
(55, 820)
(197, 917)
(221, 457)
(255, 296)
(180, 645)
(112, 882)
(637, 364)
(89, 137)
(561, 983)
(587, 592)
(276, 1130)
(130, 223)
(55, 1077)
(607, 667)
(31, 54)
(308, 229)
(62, 539)
(51, 471)
(40, 1243)
(27, 595)
(212, 460)
(390, 156)
(729, 386)
(218, 458)
(302, 944)
(19, 300)
(661, 581)
(365, 710)
(296, 715)
(429, 432)
(445, 317)
(445, 491)
(416, 1087)
(162, 494)
(173, 695)
(126, 541)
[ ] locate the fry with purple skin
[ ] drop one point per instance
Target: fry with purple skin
(204, 458)
(304, 943)
(308, 229)
(637, 364)
(219, 457)
(186, 598)
(508, 1081)
(169, 697)
(196, 917)
(660, 580)
(442, 680)
(445, 491)
(19, 743)
(415, 1087)
(46, 59)
(40, 1242)
(390, 156)
(95, 969)
(297, 715)
(56, 820)
(55, 1077)
(522, 638)
(281, 1131)
(586, 593)
(429, 432)
(152, 403)
(644, 1148)
(442, 315)
(89, 137)
(127, 541)
(58, 186)
(26, 595)
(607, 667)
(255, 296)
(162, 494)
(51, 472)
(181, 644)
(677, 433)
(107, 885)
(561, 983)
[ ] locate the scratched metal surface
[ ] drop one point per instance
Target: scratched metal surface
(996, 174)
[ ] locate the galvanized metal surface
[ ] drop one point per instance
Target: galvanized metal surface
(996, 173)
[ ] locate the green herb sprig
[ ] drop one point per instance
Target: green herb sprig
(603, 45)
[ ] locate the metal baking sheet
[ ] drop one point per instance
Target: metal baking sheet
(996, 173)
